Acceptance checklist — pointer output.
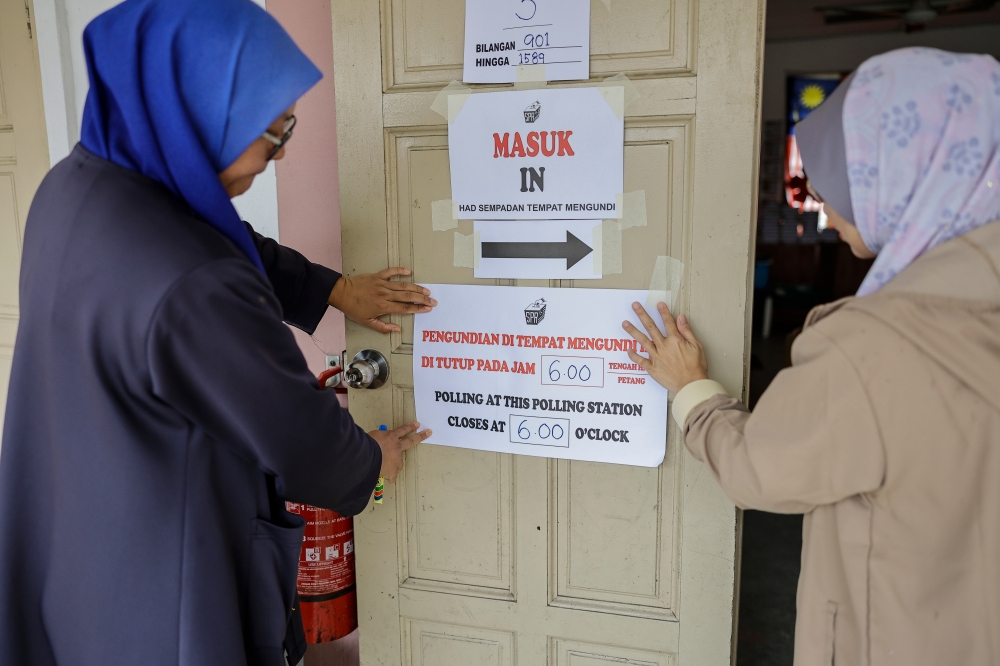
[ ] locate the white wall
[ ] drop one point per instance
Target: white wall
(60, 25)
(841, 54)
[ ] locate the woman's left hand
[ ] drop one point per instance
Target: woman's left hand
(365, 298)
(675, 360)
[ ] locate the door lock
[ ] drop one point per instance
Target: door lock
(368, 370)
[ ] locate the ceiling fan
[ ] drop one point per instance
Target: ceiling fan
(915, 14)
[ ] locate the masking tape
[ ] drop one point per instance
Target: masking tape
(529, 77)
(443, 107)
(665, 283)
(444, 214)
(618, 100)
(615, 97)
(631, 208)
(464, 250)
(598, 245)
(631, 92)
(611, 247)
(455, 104)
(468, 250)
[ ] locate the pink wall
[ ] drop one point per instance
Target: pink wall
(308, 189)
(309, 209)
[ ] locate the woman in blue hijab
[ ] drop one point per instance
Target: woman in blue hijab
(159, 410)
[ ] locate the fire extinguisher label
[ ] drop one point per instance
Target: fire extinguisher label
(326, 563)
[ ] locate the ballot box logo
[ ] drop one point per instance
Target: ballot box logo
(532, 112)
(535, 313)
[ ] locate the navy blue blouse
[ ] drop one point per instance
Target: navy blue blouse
(158, 412)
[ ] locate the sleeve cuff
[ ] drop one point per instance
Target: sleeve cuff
(693, 395)
(313, 301)
(363, 492)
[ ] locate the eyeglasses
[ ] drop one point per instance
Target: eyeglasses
(279, 142)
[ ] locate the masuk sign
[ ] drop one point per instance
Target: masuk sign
(537, 154)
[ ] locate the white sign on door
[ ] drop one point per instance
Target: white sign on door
(537, 154)
(539, 372)
(502, 34)
(539, 249)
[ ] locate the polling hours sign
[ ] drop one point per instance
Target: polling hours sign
(537, 371)
(502, 34)
(537, 154)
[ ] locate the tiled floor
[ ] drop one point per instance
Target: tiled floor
(337, 653)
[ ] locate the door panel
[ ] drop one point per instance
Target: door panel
(10, 239)
(656, 161)
(418, 174)
(434, 644)
(23, 161)
(575, 653)
(641, 37)
(478, 557)
(423, 40)
(417, 42)
(458, 508)
(614, 549)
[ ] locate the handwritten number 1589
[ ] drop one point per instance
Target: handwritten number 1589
(524, 9)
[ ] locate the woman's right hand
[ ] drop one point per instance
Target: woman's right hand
(393, 443)
(675, 360)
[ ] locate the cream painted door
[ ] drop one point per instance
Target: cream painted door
(24, 159)
(483, 558)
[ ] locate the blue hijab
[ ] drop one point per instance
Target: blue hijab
(180, 88)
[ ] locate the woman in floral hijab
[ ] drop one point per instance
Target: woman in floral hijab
(885, 432)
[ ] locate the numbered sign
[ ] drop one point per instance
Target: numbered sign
(573, 371)
(502, 34)
(537, 371)
(538, 430)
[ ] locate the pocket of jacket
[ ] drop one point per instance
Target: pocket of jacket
(274, 566)
(831, 633)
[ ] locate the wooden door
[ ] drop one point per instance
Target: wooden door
(24, 159)
(484, 558)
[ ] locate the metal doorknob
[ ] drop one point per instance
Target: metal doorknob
(368, 370)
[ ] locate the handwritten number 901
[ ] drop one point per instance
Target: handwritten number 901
(534, 8)
(536, 41)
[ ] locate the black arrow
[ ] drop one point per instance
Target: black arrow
(573, 250)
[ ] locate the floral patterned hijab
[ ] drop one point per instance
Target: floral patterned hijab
(922, 137)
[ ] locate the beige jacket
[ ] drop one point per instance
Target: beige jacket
(885, 433)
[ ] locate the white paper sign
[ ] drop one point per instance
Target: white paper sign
(502, 34)
(538, 249)
(537, 371)
(537, 154)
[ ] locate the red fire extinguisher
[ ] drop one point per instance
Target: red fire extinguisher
(326, 583)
